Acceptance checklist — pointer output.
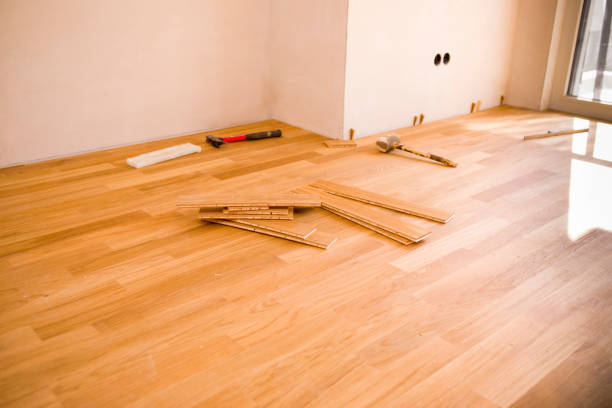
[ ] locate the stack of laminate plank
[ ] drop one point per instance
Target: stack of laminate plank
(270, 214)
(273, 214)
(351, 203)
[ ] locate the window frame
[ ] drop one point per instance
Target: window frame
(560, 99)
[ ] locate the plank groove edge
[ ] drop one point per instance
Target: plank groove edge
(381, 200)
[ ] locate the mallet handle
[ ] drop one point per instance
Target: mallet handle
(253, 136)
(430, 156)
(264, 135)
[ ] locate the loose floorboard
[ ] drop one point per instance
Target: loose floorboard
(384, 201)
(207, 213)
(316, 238)
(379, 219)
(111, 296)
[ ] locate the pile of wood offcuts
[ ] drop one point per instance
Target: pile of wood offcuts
(270, 214)
(273, 214)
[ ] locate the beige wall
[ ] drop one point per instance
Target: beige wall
(533, 56)
(81, 75)
(78, 75)
(308, 43)
(390, 75)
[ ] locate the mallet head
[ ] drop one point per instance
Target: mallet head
(387, 143)
(215, 141)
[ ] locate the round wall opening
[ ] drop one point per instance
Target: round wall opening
(437, 59)
(446, 58)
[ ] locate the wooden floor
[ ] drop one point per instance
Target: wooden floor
(110, 296)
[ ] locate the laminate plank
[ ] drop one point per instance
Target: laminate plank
(21, 337)
(209, 214)
(374, 228)
(535, 362)
(41, 398)
(297, 229)
(581, 380)
(269, 211)
(111, 295)
(244, 200)
(381, 200)
(340, 143)
(62, 233)
(54, 175)
(252, 208)
(198, 168)
(553, 134)
(237, 171)
(316, 238)
(513, 185)
(371, 216)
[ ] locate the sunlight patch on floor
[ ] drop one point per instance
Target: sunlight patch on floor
(602, 149)
(590, 198)
(580, 140)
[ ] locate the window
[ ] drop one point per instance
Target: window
(591, 74)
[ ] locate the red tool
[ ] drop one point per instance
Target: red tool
(218, 141)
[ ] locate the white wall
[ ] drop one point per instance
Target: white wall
(82, 75)
(78, 75)
(531, 69)
(390, 75)
(308, 45)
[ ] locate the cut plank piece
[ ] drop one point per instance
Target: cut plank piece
(380, 200)
(252, 208)
(158, 156)
(340, 143)
(279, 211)
(369, 216)
(558, 133)
(293, 228)
(374, 228)
(316, 238)
(208, 213)
(243, 200)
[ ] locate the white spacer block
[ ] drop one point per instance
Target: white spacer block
(162, 155)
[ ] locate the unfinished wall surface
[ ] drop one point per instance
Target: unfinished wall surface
(79, 75)
(307, 47)
(531, 69)
(390, 75)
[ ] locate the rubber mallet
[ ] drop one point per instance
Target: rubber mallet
(218, 141)
(387, 143)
